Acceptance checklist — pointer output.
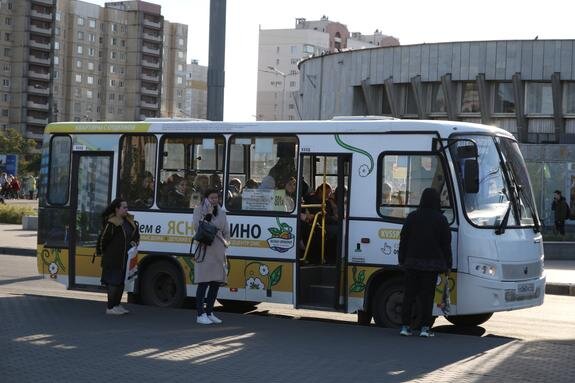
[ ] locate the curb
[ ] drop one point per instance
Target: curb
(18, 251)
(560, 289)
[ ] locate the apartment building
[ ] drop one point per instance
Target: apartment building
(70, 60)
(280, 50)
(174, 64)
(196, 93)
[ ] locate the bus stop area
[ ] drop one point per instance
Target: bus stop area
(48, 333)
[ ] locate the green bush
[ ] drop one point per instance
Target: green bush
(14, 213)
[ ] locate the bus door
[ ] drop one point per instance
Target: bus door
(90, 195)
(322, 230)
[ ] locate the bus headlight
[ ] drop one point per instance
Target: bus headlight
(483, 268)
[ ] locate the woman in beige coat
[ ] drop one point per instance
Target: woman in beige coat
(209, 270)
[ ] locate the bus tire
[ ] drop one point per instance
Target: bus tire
(238, 306)
(469, 320)
(387, 302)
(163, 285)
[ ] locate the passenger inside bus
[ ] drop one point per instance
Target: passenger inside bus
(177, 196)
(145, 194)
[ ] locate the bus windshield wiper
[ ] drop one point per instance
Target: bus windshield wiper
(503, 225)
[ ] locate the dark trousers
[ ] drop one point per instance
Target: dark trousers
(115, 295)
(209, 301)
(419, 285)
(560, 227)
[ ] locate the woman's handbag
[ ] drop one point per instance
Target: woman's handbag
(206, 233)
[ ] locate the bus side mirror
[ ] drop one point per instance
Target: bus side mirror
(471, 176)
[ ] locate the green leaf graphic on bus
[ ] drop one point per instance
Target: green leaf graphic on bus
(358, 284)
(282, 238)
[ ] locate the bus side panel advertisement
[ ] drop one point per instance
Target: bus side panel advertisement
(270, 237)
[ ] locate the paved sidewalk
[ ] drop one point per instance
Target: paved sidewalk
(560, 273)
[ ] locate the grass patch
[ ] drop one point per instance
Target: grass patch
(14, 213)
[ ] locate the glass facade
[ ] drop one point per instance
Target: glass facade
(504, 98)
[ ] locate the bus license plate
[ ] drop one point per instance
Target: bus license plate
(526, 288)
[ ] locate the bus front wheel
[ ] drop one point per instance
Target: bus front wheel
(386, 307)
(469, 320)
(163, 285)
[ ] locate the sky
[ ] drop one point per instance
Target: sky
(412, 21)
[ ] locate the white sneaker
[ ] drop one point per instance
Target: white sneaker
(114, 311)
(203, 319)
(214, 319)
(122, 309)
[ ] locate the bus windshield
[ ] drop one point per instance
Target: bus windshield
(504, 186)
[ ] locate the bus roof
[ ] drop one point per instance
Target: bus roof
(347, 125)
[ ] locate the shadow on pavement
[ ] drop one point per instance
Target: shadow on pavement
(45, 338)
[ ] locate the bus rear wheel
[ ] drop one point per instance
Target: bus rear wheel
(163, 285)
(469, 320)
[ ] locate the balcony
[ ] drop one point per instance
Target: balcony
(39, 60)
(37, 105)
(151, 92)
(148, 77)
(38, 90)
(152, 51)
(37, 120)
(152, 23)
(34, 136)
(40, 45)
(41, 15)
(149, 105)
(39, 29)
(148, 36)
(39, 75)
(150, 64)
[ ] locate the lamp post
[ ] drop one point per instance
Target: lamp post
(276, 71)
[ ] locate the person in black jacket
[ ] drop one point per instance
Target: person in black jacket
(119, 234)
(424, 252)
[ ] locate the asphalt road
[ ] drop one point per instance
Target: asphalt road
(48, 333)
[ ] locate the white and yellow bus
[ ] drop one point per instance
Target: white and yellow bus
(289, 245)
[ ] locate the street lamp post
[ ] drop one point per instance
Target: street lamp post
(275, 70)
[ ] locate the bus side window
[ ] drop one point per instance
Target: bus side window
(137, 167)
(189, 166)
(404, 177)
(261, 175)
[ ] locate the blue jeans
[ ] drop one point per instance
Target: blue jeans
(211, 298)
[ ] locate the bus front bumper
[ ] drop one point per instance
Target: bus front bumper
(479, 295)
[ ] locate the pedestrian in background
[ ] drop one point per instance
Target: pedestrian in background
(561, 210)
(424, 252)
(119, 234)
(210, 267)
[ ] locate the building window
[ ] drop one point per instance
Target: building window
(180, 42)
(6, 36)
(78, 78)
(113, 55)
(538, 98)
(92, 23)
(469, 98)
(437, 99)
(56, 60)
(90, 65)
(112, 82)
(294, 61)
(89, 93)
(181, 54)
(78, 64)
(80, 35)
(8, 21)
(90, 80)
(409, 104)
(7, 52)
(80, 20)
(569, 97)
(80, 49)
(180, 67)
(292, 83)
(504, 98)
(91, 52)
(114, 41)
(56, 45)
(180, 80)
(91, 37)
